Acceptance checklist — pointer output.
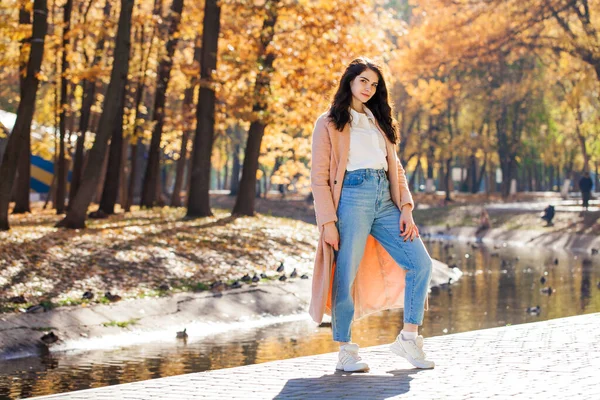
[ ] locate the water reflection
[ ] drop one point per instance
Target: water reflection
(497, 286)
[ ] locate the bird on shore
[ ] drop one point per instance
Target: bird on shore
(49, 338)
(446, 285)
(533, 310)
(547, 290)
(304, 276)
(164, 287)
(255, 278)
(18, 300)
(246, 278)
(283, 278)
(38, 308)
(594, 252)
(294, 273)
(556, 261)
(88, 295)
(235, 285)
(182, 334)
(543, 280)
(263, 275)
(281, 267)
(217, 287)
(113, 298)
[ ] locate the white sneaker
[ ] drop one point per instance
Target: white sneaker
(412, 350)
(349, 360)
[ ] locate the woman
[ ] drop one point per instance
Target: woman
(369, 257)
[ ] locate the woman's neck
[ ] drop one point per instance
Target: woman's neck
(357, 106)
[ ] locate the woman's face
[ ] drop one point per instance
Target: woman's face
(363, 87)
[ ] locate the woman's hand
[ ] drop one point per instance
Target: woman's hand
(331, 235)
(408, 228)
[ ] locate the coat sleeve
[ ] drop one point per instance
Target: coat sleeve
(319, 173)
(405, 196)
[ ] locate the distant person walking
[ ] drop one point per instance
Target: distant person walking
(369, 243)
(484, 222)
(585, 185)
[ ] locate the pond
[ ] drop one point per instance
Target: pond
(498, 284)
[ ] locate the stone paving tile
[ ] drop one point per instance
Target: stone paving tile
(553, 359)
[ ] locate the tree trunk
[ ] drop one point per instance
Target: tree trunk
(24, 167)
(132, 176)
(123, 174)
(18, 138)
(23, 178)
(597, 185)
(235, 171)
(89, 93)
(473, 167)
(61, 183)
(76, 216)
(411, 180)
(582, 141)
(136, 139)
(113, 169)
(226, 172)
(448, 179)
(180, 171)
(151, 176)
(198, 198)
(244, 203)
(481, 175)
(187, 108)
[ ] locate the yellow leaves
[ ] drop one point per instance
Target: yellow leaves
(432, 94)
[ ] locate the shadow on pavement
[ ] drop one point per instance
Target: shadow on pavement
(350, 385)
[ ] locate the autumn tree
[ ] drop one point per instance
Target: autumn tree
(18, 137)
(198, 200)
(76, 215)
(151, 177)
(24, 168)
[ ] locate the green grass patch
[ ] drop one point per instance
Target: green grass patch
(121, 324)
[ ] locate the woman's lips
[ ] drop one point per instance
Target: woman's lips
(364, 94)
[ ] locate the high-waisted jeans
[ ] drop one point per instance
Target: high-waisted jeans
(365, 208)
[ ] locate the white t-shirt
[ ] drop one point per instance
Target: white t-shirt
(367, 144)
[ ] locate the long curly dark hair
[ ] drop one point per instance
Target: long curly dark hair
(379, 104)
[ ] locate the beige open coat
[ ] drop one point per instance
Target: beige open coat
(380, 282)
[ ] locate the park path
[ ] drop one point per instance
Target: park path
(553, 359)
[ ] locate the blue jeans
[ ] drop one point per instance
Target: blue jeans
(365, 208)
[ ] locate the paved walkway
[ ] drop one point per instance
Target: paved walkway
(553, 359)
